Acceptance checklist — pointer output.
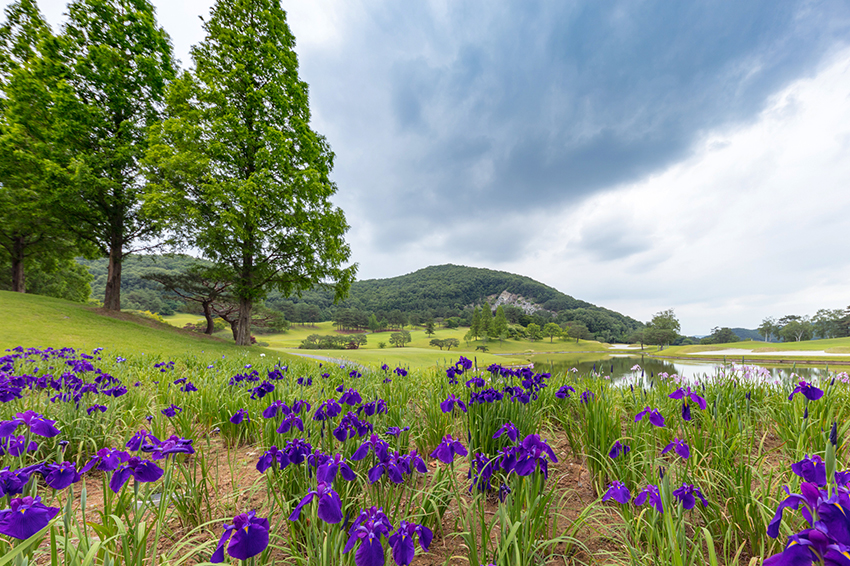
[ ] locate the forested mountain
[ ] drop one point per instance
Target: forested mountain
(443, 292)
(748, 334)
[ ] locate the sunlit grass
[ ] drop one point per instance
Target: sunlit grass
(36, 321)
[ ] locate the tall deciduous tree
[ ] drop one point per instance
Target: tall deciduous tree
(551, 330)
(114, 63)
(663, 329)
(31, 235)
(239, 168)
(768, 328)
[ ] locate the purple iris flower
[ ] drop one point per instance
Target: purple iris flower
(16, 445)
(93, 408)
(12, 482)
(686, 411)
(350, 426)
(564, 392)
(587, 397)
(389, 465)
(680, 446)
(413, 461)
(811, 469)
(450, 373)
(651, 493)
(39, 425)
(25, 517)
(449, 404)
(808, 390)
(273, 458)
(261, 390)
(106, 460)
(380, 447)
(475, 382)
(141, 437)
(401, 541)
(304, 381)
(327, 410)
(833, 513)
(171, 445)
(355, 374)
(509, 429)
(351, 397)
(298, 449)
(484, 466)
(250, 538)
(532, 454)
(276, 407)
(654, 416)
(373, 407)
(396, 431)
(141, 470)
(239, 416)
(618, 492)
(686, 493)
(330, 506)
(326, 470)
(290, 422)
(59, 476)
(617, 449)
(688, 394)
(810, 546)
(447, 450)
(299, 404)
(188, 387)
(368, 528)
(401, 372)
(171, 411)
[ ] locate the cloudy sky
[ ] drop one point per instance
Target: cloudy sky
(640, 155)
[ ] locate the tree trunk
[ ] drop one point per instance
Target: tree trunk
(243, 330)
(112, 295)
(19, 284)
(234, 328)
(209, 318)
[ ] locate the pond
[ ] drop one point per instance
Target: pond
(619, 366)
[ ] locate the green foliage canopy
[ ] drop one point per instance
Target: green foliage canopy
(237, 166)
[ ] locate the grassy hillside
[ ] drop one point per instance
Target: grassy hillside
(41, 322)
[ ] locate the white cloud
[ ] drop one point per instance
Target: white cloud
(753, 224)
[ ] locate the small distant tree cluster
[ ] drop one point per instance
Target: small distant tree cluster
(723, 335)
(399, 339)
(447, 343)
(577, 330)
(333, 342)
(534, 332)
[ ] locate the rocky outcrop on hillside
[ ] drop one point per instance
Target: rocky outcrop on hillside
(505, 298)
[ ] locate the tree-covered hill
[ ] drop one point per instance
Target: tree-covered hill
(442, 292)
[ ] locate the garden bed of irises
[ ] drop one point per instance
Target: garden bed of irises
(366, 467)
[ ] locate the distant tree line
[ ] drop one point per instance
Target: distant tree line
(826, 323)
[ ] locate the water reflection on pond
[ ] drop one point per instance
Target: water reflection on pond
(620, 366)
